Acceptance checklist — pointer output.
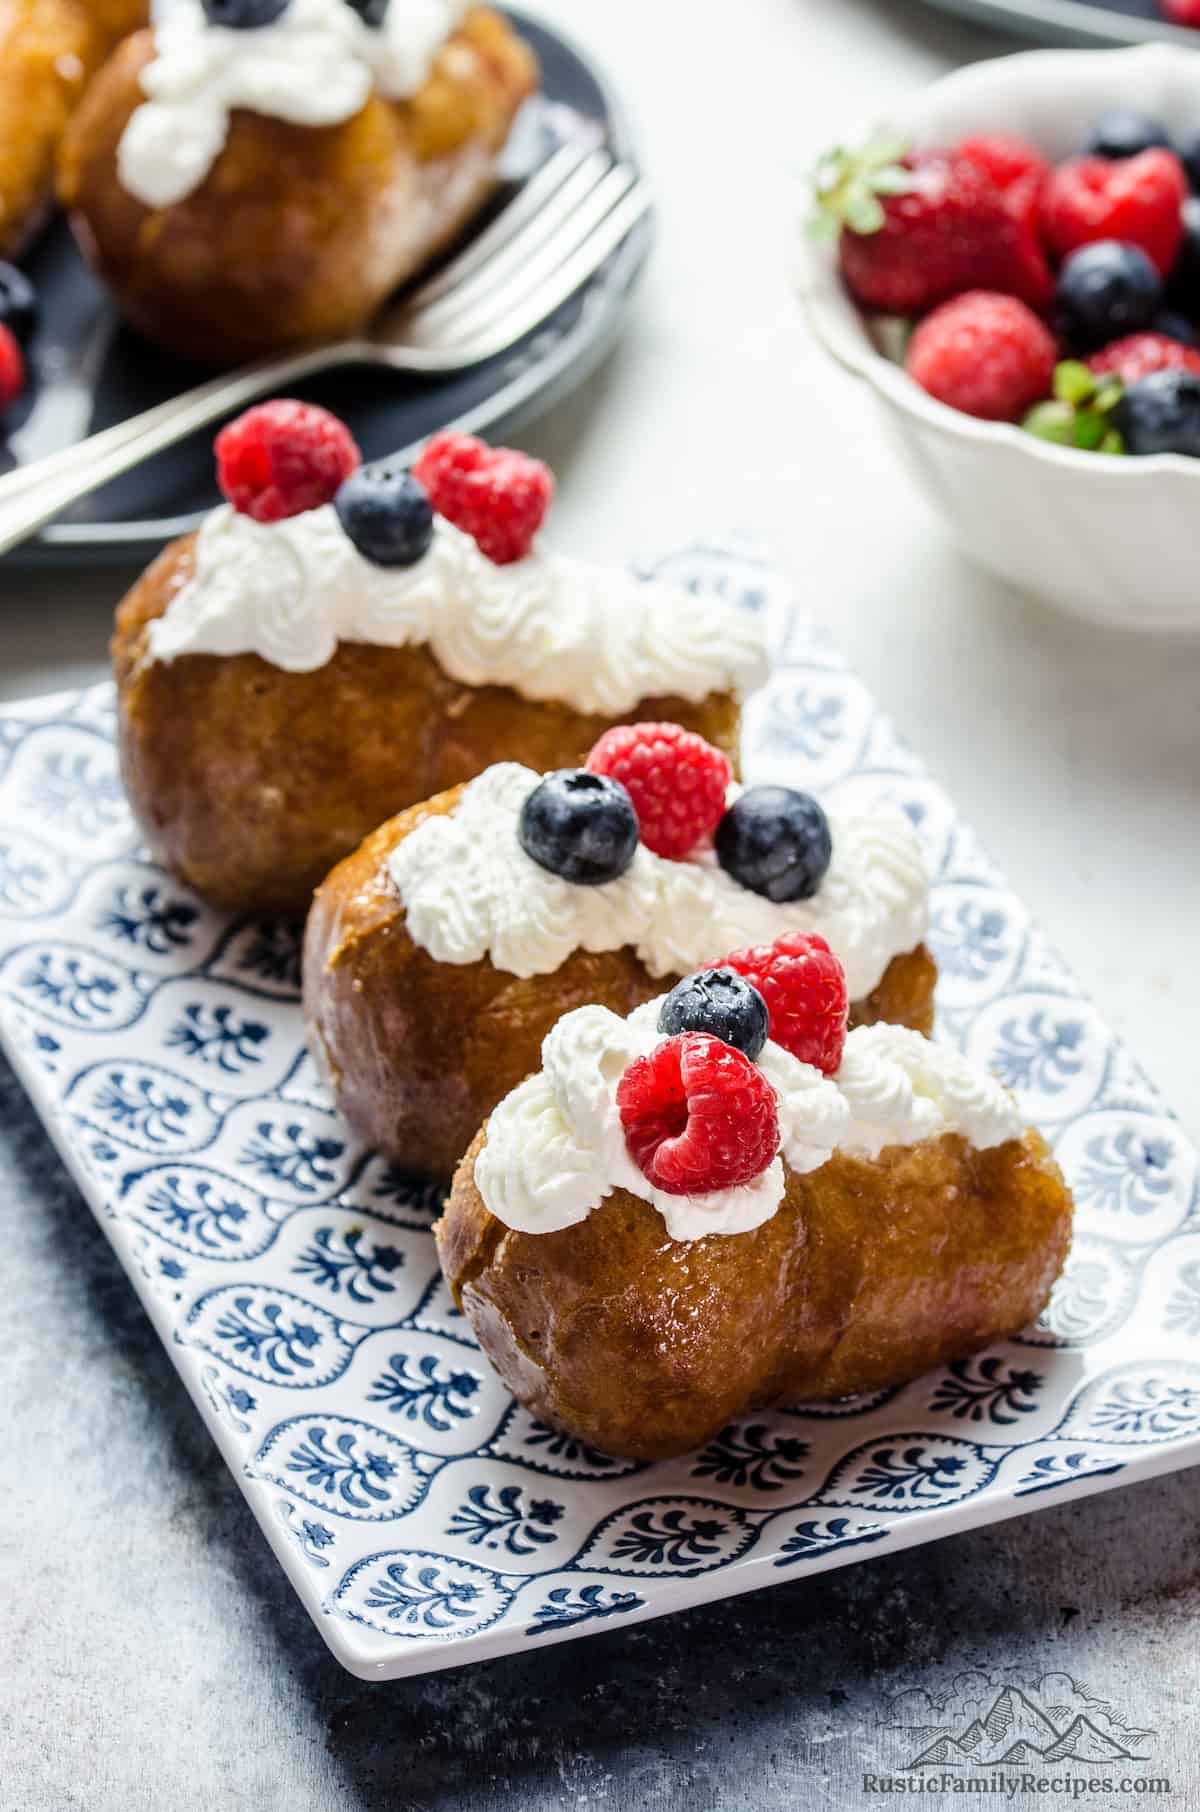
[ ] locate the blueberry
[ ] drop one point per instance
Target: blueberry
(720, 1002)
(386, 514)
(581, 826)
(243, 15)
(1189, 150)
(1105, 290)
(1175, 327)
(1123, 132)
(1183, 286)
(1161, 414)
(371, 12)
(776, 842)
(18, 303)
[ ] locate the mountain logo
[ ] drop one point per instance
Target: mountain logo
(984, 1722)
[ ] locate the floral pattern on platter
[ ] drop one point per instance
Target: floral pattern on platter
(423, 1517)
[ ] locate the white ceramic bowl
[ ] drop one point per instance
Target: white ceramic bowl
(1114, 540)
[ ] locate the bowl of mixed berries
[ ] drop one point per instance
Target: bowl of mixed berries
(1014, 266)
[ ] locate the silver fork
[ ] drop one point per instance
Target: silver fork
(556, 233)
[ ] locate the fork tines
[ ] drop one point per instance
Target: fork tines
(562, 226)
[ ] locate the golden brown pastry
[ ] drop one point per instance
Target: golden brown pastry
(49, 50)
(281, 694)
(419, 1049)
(292, 232)
(862, 1271)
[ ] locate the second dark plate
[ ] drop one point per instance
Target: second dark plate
(90, 370)
(1097, 22)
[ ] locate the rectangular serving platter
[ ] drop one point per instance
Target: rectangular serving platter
(423, 1518)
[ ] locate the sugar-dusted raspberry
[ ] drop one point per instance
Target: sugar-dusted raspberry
(1138, 354)
(804, 986)
(12, 368)
(282, 458)
(986, 354)
(698, 1115)
(676, 780)
(1136, 200)
(497, 496)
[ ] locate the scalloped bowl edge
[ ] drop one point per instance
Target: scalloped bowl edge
(1110, 540)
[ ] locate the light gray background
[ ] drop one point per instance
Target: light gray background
(154, 1657)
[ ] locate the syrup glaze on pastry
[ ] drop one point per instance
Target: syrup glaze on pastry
(470, 892)
(297, 232)
(556, 1147)
(420, 1042)
(281, 694)
(313, 65)
(548, 626)
(49, 51)
(906, 1220)
(870, 1272)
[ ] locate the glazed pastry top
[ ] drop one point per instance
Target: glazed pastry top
(555, 1147)
(550, 627)
(470, 891)
(315, 65)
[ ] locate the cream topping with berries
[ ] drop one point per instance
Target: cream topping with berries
(470, 892)
(556, 1147)
(314, 65)
(551, 627)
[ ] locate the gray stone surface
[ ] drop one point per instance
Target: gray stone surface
(155, 1659)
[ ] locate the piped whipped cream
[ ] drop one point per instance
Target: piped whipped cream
(555, 1147)
(549, 626)
(313, 66)
(470, 891)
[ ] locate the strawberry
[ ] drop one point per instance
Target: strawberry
(916, 232)
(1137, 200)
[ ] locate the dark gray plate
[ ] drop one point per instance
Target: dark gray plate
(90, 370)
(1074, 21)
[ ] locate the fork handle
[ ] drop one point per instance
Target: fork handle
(30, 496)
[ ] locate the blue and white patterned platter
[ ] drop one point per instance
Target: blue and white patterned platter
(425, 1520)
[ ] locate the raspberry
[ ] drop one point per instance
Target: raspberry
(449, 455)
(282, 458)
(804, 986)
(985, 354)
(676, 780)
(12, 368)
(495, 495)
(1134, 199)
(1003, 156)
(698, 1116)
(1138, 354)
(1182, 12)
